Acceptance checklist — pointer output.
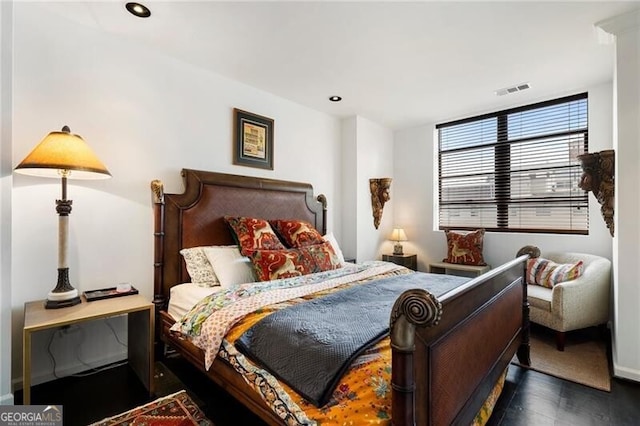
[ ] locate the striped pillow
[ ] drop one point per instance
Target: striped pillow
(547, 273)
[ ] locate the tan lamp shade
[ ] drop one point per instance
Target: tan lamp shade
(398, 235)
(66, 151)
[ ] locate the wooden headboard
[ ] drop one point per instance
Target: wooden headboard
(196, 217)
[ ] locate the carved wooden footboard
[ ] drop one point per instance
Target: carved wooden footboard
(448, 353)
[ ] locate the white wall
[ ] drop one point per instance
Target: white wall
(415, 170)
(146, 116)
(414, 195)
(626, 252)
(374, 159)
(6, 34)
(350, 207)
(367, 152)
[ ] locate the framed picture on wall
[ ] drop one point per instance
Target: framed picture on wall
(253, 140)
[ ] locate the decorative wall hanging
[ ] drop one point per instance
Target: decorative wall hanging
(379, 195)
(598, 177)
(253, 140)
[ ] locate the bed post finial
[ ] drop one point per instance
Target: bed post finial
(413, 308)
(532, 251)
(416, 307)
(157, 191)
(322, 199)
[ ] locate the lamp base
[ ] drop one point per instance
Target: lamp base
(56, 304)
(397, 249)
(64, 294)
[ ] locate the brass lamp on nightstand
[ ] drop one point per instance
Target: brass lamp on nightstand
(67, 156)
(398, 235)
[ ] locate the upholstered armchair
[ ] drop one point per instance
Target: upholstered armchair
(575, 304)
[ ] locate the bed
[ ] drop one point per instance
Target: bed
(447, 353)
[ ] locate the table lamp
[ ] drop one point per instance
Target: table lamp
(67, 156)
(398, 235)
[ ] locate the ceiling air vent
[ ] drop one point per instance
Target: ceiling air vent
(512, 89)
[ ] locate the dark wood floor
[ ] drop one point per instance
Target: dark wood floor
(532, 398)
(529, 398)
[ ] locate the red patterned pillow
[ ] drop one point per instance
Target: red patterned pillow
(296, 233)
(275, 264)
(324, 256)
(465, 249)
(547, 273)
(253, 234)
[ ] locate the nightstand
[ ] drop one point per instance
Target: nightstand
(140, 336)
(408, 260)
(455, 269)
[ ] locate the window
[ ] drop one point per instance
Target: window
(515, 170)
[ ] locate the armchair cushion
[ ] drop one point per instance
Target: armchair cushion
(548, 273)
(539, 297)
(574, 304)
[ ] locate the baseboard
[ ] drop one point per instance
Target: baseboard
(6, 399)
(71, 369)
(618, 371)
(626, 373)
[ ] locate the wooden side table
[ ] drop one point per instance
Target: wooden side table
(141, 317)
(408, 260)
(455, 269)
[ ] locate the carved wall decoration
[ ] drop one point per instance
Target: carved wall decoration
(379, 195)
(598, 177)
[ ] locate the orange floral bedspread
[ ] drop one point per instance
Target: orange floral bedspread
(363, 396)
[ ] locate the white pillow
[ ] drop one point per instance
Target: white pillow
(198, 267)
(229, 265)
(183, 297)
(331, 239)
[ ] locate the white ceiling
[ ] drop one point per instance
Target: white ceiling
(400, 64)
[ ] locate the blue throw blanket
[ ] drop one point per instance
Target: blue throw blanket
(309, 346)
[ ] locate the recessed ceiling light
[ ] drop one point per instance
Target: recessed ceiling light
(335, 98)
(139, 10)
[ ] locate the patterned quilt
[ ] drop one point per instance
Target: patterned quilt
(310, 345)
(363, 395)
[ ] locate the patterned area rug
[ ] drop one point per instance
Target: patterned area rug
(172, 410)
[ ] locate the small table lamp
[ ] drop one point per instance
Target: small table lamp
(65, 155)
(398, 235)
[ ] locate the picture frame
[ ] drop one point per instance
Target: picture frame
(253, 140)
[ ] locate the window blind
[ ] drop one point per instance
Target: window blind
(516, 170)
